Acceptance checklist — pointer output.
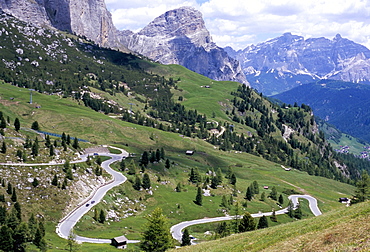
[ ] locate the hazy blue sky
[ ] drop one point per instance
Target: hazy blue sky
(239, 23)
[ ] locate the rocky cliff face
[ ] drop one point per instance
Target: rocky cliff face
(180, 37)
(289, 60)
(88, 18)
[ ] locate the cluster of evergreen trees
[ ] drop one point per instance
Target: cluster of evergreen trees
(15, 233)
(142, 183)
(90, 65)
(245, 224)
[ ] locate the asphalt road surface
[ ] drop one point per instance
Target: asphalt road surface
(176, 230)
(67, 223)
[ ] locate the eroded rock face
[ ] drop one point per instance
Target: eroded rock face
(180, 37)
(88, 18)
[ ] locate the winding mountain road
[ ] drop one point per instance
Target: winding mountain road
(66, 224)
(176, 230)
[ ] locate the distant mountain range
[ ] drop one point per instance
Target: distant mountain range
(342, 104)
(285, 62)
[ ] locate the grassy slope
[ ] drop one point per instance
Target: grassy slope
(64, 115)
(344, 229)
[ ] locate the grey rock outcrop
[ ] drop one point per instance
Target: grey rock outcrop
(287, 61)
(88, 18)
(180, 37)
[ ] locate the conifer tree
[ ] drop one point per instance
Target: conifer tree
(14, 196)
(12, 219)
(263, 196)
(168, 165)
(224, 202)
(185, 239)
(35, 126)
(17, 207)
(145, 159)
(362, 191)
(17, 124)
(2, 123)
(214, 182)
(35, 148)
(199, 197)
(233, 179)
(72, 245)
(10, 188)
(2, 215)
(152, 157)
(281, 199)
(256, 187)
(248, 194)
(162, 153)
(178, 187)
(247, 223)
(236, 218)
(146, 182)
(273, 216)
(223, 229)
(273, 194)
(102, 216)
(51, 150)
(47, 141)
(122, 165)
(291, 209)
(54, 182)
(69, 174)
(21, 235)
(41, 226)
(298, 212)
(219, 175)
(131, 168)
(38, 237)
(157, 155)
(75, 144)
(35, 182)
(262, 223)
(65, 183)
(156, 236)
(3, 148)
(137, 183)
(6, 239)
(32, 225)
(63, 137)
(98, 160)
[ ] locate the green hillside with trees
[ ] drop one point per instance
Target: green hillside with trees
(186, 134)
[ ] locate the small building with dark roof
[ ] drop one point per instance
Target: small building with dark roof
(343, 200)
(119, 242)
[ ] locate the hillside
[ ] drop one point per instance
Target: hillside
(345, 229)
(341, 104)
(102, 129)
(157, 113)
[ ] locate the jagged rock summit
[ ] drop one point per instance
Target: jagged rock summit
(180, 37)
(287, 61)
(88, 18)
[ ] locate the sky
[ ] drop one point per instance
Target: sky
(239, 23)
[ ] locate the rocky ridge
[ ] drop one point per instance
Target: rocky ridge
(290, 60)
(86, 18)
(180, 37)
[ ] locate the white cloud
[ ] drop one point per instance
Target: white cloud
(242, 22)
